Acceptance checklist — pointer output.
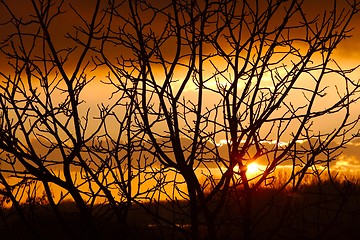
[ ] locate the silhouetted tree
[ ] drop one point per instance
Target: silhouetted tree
(196, 92)
(258, 74)
(48, 134)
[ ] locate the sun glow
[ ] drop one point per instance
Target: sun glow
(253, 168)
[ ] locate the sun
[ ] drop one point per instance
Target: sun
(253, 168)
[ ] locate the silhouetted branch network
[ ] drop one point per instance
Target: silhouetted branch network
(163, 105)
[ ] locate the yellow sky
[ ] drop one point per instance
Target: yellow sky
(347, 54)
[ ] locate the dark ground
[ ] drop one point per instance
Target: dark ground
(312, 213)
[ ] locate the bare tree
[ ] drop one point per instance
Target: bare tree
(258, 74)
(198, 90)
(47, 134)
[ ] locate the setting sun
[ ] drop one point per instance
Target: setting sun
(253, 168)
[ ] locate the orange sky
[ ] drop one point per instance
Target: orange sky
(348, 51)
(347, 54)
